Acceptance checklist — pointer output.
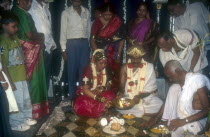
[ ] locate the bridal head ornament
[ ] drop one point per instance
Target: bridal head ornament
(99, 54)
(136, 52)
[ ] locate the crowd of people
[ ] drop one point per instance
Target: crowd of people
(94, 54)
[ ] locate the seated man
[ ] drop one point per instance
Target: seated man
(182, 45)
(96, 92)
(138, 82)
(186, 106)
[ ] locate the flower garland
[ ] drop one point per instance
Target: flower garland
(135, 85)
(58, 78)
(125, 21)
(172, 19)
(89, 7)
(66, 4)
(95, 80)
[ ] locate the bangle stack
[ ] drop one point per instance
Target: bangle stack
(98, 98)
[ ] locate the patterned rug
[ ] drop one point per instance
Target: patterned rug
(64, 123)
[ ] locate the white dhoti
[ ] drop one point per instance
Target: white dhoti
(150, 104)
(170, 109)
(179, 104)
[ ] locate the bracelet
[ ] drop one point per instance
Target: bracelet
(3, 82)
(63, 50)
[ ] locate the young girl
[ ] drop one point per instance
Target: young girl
(13, 67)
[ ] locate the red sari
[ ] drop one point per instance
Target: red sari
(108, 37)
(86, 106)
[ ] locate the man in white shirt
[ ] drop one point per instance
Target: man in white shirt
(182, 45)
(75, 31)
(42, 19)
(195, 17)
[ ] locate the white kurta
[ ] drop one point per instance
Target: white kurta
(187, 40)
(179, 103)
(195, 18)
(150, 104)
(42, 19)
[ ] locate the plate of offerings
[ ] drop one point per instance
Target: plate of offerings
(124, 104)
(160, 129)
(113, 132)
(129, 116)
(114, 126)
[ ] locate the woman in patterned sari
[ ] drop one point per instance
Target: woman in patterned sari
(32, 43)
(142, 32)
(96, 92)
(107, 34)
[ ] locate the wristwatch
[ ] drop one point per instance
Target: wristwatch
(186, 120)
(63, 50)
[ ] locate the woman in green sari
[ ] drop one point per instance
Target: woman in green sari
(32, 43)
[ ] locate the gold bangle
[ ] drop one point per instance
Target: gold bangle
(132, 42)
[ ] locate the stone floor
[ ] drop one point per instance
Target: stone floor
(74, 126)
(34, 129)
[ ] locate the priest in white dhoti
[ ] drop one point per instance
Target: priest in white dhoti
(138, 82)
(186, 106)
(182, 45)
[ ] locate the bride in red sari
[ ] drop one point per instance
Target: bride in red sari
(95, 94)
(107, 33)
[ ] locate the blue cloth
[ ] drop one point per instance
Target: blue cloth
(206, 70)
(48, 69)
(5, 129)
(78, 52)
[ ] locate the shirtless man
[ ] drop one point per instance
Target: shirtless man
(186, 106)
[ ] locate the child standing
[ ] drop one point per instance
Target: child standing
(13, 66)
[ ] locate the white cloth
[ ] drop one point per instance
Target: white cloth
(186, 40)
(13, 107)
(195, 18)
(150, 104)
(193, 82)
(179, 103)
(170, 110)
(74, 26)
(10, 95)
(42, 19)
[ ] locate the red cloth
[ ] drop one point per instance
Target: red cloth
(112, 48)
(86, 106)
(31, 52)
(109, 30)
